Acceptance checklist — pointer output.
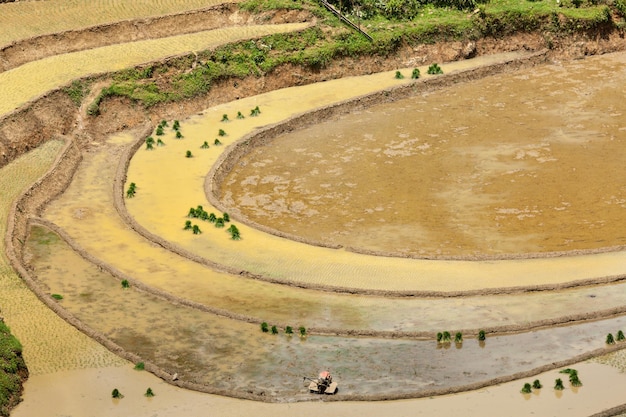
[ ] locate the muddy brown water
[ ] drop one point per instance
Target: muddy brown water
(523, 163)
(237, 357)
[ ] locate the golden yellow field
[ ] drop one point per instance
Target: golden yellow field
(33, 79)
(26, 19)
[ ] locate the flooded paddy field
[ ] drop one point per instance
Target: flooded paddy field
(86, 214)
(511, 164)
(289, 260)
(230, 356)
(201, 343)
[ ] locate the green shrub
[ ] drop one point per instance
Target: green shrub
(188, 154)
(526, 389)
(226, 217)
(219, 222)
(160, 142)
(537, 384)
(240, 116)
(458, 337)
(558, 384)
(415, 74)
(274, 330)
(264, 327)
(57, 296)
(140, 366)
(125, 283)
(224, 118)
(289, 330)
(159, 131)
(439, 337)
(176, 125)
(149, 393)
(302, 331)
(196, 229)
(217, 142)
(205, 145)
(221, 132)
(620, 336)
(187, 225)
(116, 394)
(446, 337)
(399, 75)
(609, 339)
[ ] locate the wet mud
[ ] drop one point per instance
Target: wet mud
(529, 162)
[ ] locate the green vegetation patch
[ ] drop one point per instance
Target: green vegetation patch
(392, 24)
(12, 370)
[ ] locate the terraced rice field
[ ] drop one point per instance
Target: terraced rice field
(33, 79)
(21, 20)
(88, 215)
(50, 344)
(195, 302)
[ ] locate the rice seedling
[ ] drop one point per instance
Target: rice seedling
(435, 69)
